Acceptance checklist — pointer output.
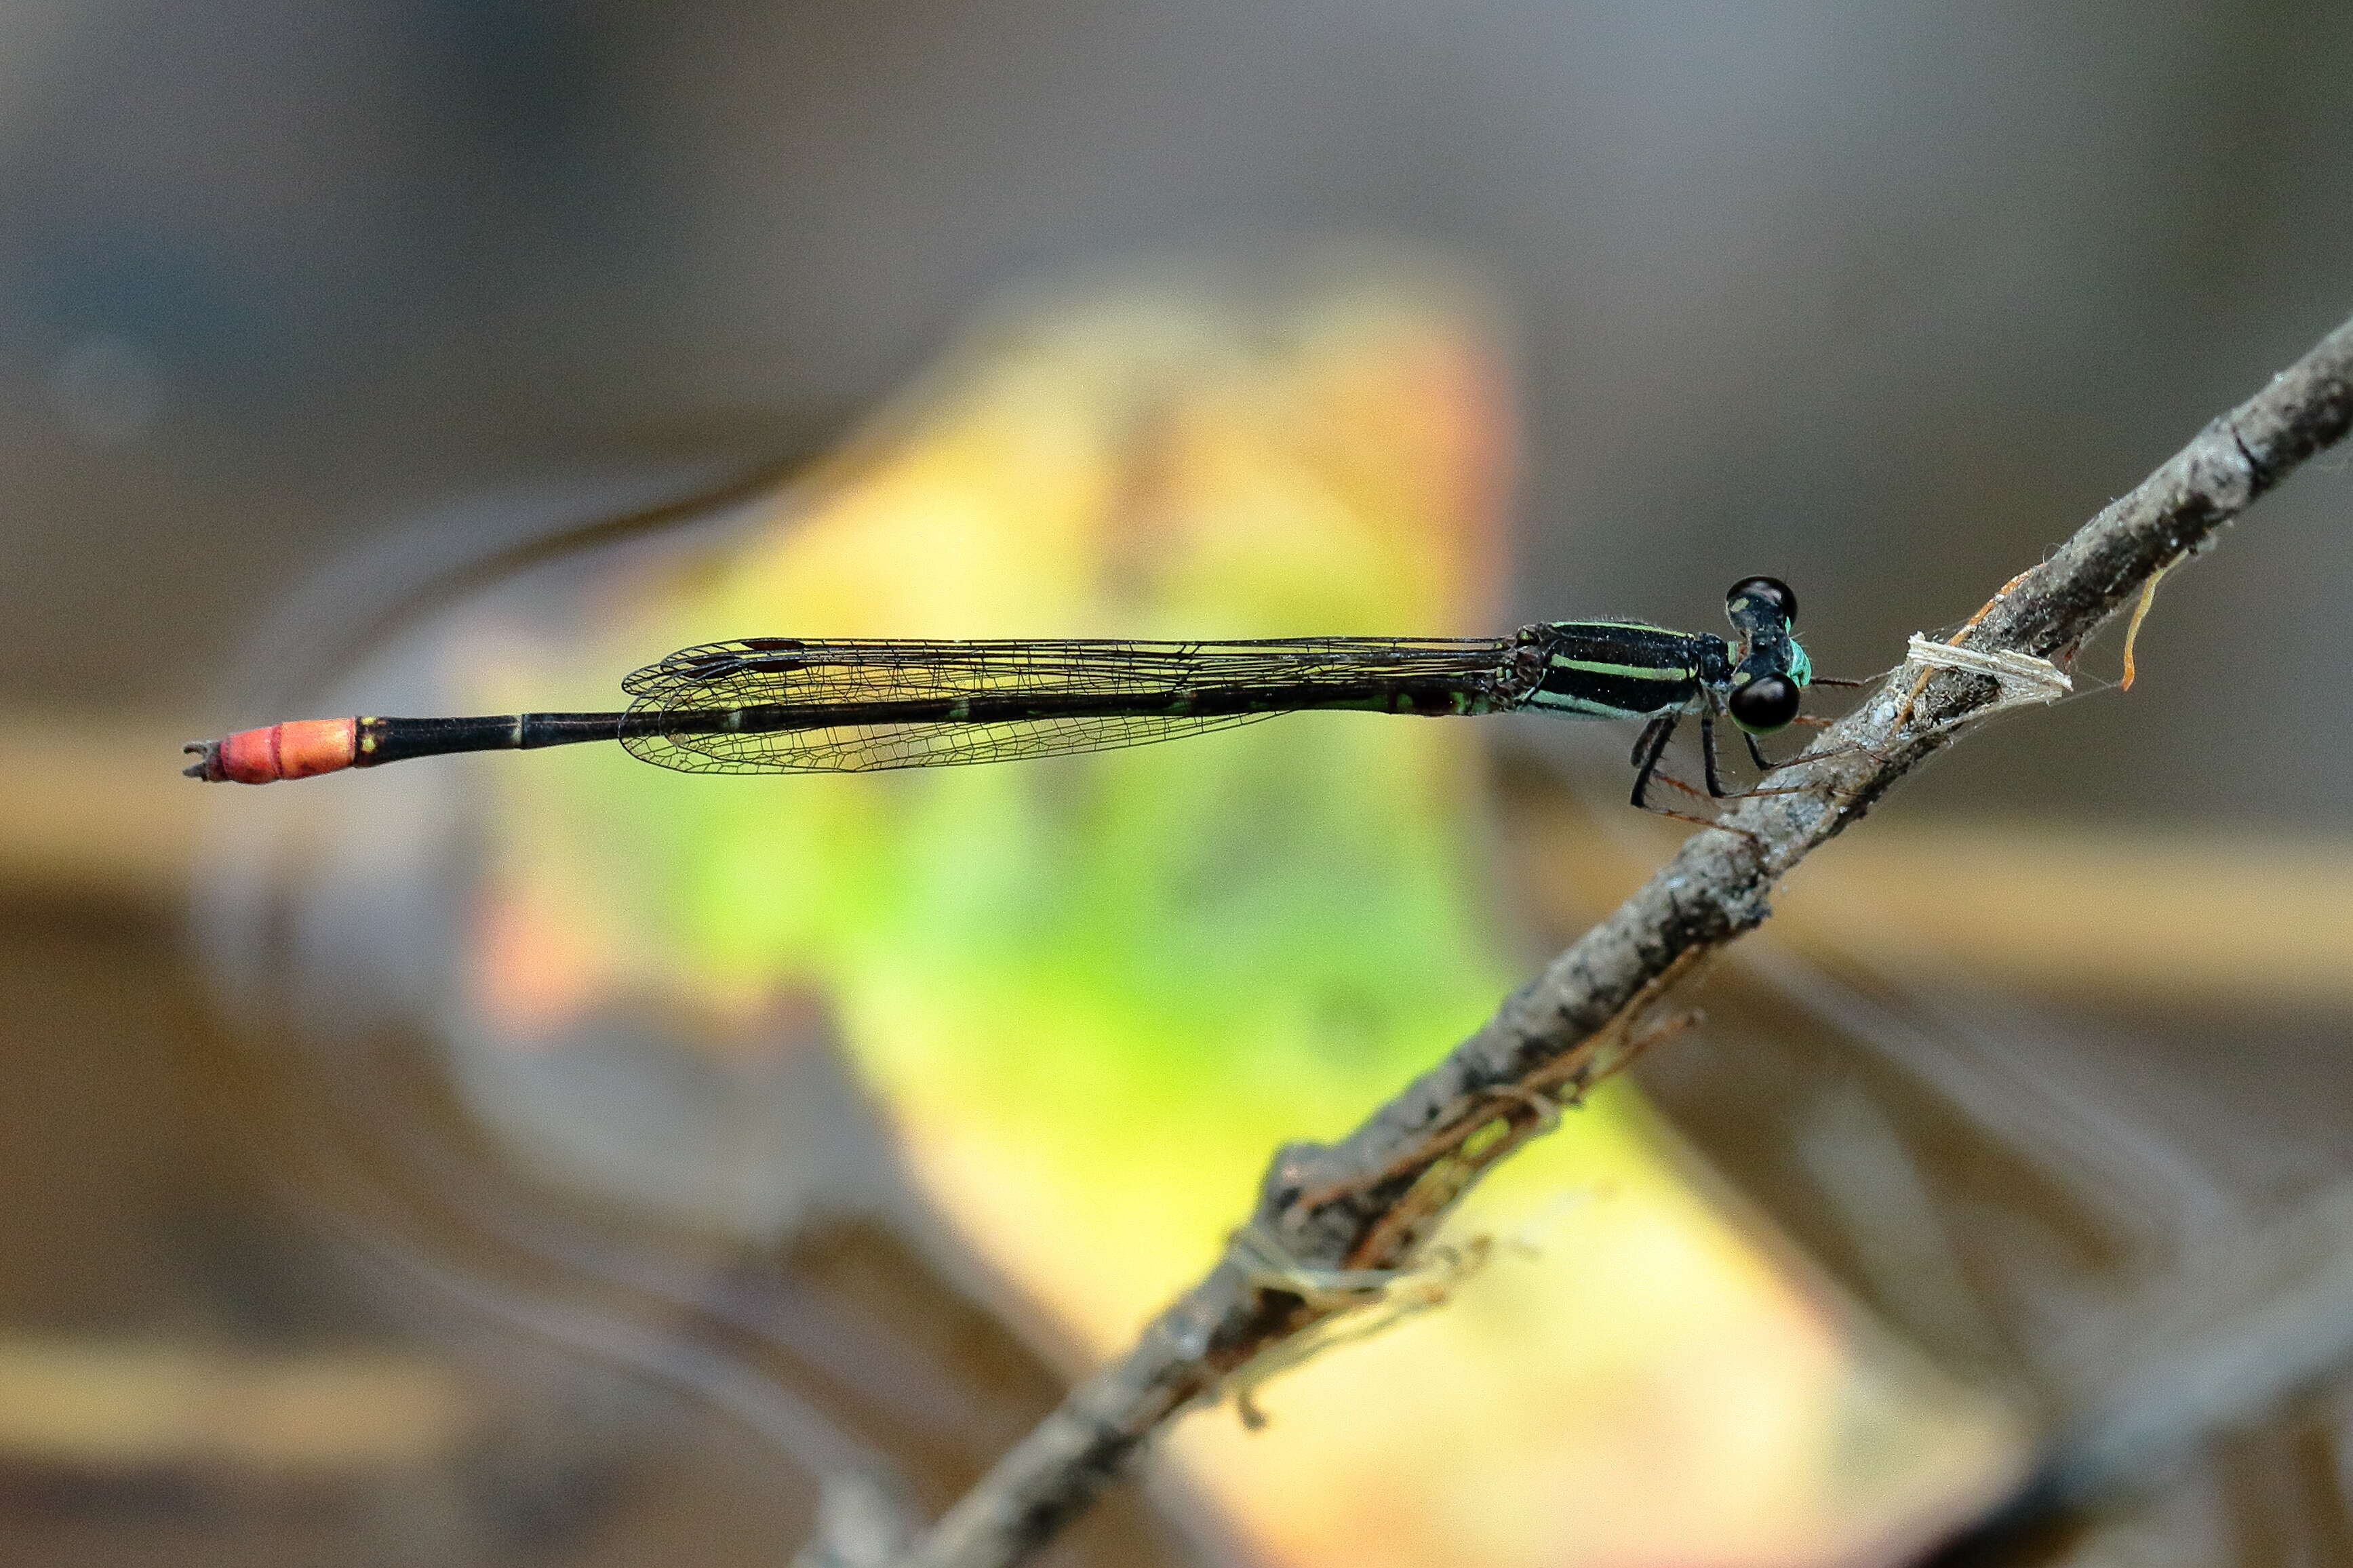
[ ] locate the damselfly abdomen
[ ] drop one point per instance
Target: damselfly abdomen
(783, 705)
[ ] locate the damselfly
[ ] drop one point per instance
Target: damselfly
(784, 705)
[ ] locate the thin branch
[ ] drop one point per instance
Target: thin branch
(1371, 1201)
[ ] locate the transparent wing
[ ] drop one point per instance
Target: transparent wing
(856, 705)
(866, 747)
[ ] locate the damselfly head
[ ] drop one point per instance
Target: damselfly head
(1769, 682)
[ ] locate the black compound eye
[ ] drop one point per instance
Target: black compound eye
(1765, 704)
(1769, 590)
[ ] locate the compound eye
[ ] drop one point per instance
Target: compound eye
(1769, 591)
(1765, 704)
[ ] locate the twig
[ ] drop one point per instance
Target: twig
(1371, 1201)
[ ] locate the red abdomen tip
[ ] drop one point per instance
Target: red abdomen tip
(290, 751)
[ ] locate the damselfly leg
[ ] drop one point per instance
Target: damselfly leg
(1648, 748)
(1707, 744)
(1651, 746)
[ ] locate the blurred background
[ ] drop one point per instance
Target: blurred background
(538, 1162)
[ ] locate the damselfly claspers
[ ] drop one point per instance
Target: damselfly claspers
(784, 705)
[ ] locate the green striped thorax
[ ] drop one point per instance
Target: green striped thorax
(1629, 669)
